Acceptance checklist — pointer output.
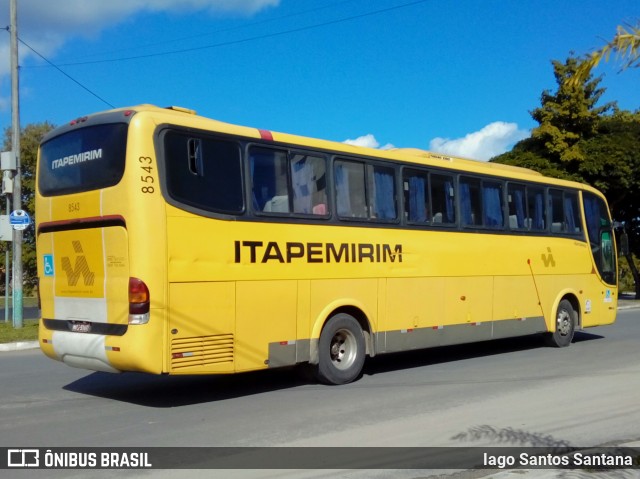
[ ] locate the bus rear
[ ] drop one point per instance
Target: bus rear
(96, 312)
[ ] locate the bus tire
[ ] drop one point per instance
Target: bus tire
(341, 350)
(566, 320)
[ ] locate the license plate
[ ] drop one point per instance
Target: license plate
(80, 327)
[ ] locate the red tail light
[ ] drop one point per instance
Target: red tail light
(139, 298)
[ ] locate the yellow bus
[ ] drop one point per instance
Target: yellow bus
(169, 243)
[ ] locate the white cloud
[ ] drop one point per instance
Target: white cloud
(492, 140)
(46, 25)
(369, 141)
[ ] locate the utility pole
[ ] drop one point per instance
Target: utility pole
(17, 189)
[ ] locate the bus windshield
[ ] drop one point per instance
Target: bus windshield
(82, 160)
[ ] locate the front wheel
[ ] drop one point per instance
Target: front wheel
(341, 350)
(566, 320)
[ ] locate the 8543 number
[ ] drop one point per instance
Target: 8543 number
(146, 164)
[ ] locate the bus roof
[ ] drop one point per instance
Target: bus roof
(188, 117)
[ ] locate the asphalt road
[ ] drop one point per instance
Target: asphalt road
(500, 393)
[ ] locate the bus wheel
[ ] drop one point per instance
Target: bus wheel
(566, 319)
(341, 350)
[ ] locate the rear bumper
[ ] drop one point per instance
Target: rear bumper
(85, 351)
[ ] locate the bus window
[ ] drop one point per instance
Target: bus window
(365, 191)
(535, 207)
(517, 195)
(572, 213)
(85, 159)
(382, 188)
(470, 204)
(416, 200)
(203, 172)
(443, 199)
(557, 211)
(308, 181)
(269, 184)
(565, 216)
(492, 204)
(350, 189)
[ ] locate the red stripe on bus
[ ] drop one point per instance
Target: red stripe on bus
(266, 135)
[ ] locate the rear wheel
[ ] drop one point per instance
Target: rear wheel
(566, 320)
(341, 350)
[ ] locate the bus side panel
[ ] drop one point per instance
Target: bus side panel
(597, 301)
(266, 323)
(468, 299)
(515, 297)
(603, 305)
(414, 306)
(566, 269)
(202, 327)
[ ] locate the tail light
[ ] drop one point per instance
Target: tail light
(139, 301)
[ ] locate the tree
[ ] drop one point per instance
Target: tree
(597, 145)
(626, 44)
(30, 138)
(566, 117)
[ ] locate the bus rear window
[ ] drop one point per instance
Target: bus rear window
(85, 159)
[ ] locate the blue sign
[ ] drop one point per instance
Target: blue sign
(19, 219)
(48, 265)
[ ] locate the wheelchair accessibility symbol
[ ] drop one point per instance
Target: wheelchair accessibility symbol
(48, 264)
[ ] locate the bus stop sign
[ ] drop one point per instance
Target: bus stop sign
(19, 219)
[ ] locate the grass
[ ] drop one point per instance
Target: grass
(28, 332)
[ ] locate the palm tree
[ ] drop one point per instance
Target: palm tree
(626, 44)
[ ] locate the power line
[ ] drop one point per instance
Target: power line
(217, 45)
(222, 30)
(250, 39)
(65, 73)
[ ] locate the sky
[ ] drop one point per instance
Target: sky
(455, 77)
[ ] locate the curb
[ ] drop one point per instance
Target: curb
(19, 346)
(628, 306)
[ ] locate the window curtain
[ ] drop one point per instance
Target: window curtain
(492, 205)
(538, 213)
(302, 182)
(385, 207)
(342, 191)
(569, 216)
(417, 204)
(592, 212)
(465, 204)
(518, 197)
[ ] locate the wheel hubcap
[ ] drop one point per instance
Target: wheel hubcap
(564, 322)
(343, 349)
